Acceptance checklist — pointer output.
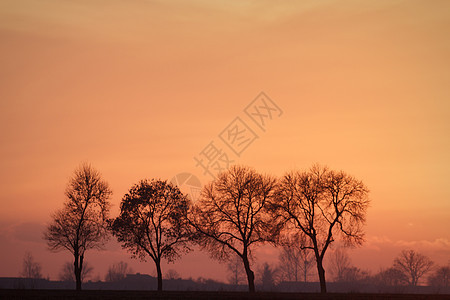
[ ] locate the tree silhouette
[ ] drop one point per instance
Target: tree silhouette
(81, 224)
(236, 270)
(268, 277)
(440, 277)
(352, 274)
(322, 204)
(152, 222)
(295, 261)
(172, 274)
(339, 263)
(67, 272)
(343, 270)
(30, 268)
(390, 277)
(413, 265)
(117, 271)
(232, 217)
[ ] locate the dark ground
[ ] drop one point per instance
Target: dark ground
(188, 295)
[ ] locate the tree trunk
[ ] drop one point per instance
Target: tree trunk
(321, 271)
(413, 281)
(250, 275)
(159, 272)
(78, 264)
(305, 274)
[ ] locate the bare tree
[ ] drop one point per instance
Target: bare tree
(172, 274)
(339, 264)
(268, 277)
(232, 216)
(440, 277)
(343, 270)
(67, 272)
(390, 277)
(117, 272)
(81, 224)
(354, 274)
(413, 265)
(30, 268)
(295, 261)
(153, 222)
(235, 270)
(322, 204)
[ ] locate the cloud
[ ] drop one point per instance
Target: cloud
(28, 232)
(437, 249)
(437, 244)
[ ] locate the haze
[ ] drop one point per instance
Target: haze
(139, 88)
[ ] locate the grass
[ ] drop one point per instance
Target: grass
(188, 295)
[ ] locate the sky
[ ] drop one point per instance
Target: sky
(141, 88)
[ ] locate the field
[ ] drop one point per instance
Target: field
(187, 295)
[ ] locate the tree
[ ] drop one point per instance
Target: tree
(440, 277)
(322, 204)
(354, 274)
(343, 270)
(268, 277)
(413, 265)
(295, 261)
(67, 272)
(172, 274)
(236, 270)
(231, 217)
(390, 277)
(30, 268)
(152, 222)
(81, 224)
(339, 264)
(117, 272)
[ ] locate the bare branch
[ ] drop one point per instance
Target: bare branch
(82, 223)
(232, 216)
(322, 204)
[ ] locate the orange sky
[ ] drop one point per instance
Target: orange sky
(138, 88)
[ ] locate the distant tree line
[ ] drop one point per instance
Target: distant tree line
(303, 213)
(269, 277)
(409, 269)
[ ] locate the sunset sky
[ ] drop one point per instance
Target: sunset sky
(139, 88)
